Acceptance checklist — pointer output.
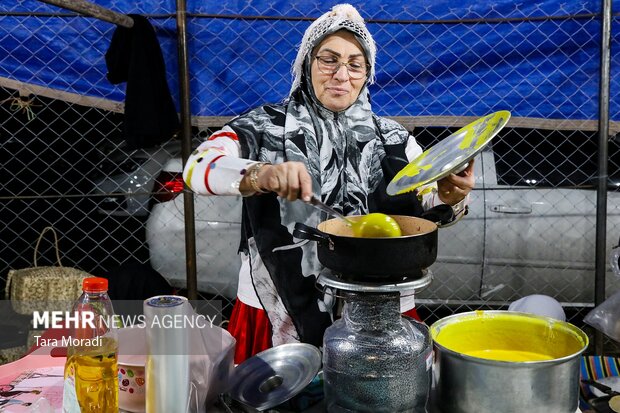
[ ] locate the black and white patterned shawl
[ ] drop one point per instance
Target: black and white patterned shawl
(351, 156)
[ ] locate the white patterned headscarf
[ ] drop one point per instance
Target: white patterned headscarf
(341, 16)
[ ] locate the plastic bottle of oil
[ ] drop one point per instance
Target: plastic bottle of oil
(91, 377)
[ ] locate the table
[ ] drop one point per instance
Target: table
(42, 358)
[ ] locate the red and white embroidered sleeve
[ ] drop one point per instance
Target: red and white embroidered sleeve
(215, 167)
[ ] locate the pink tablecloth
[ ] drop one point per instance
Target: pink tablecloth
(32, 383)
(37, 359)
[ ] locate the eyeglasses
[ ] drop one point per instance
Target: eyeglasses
(329, 65)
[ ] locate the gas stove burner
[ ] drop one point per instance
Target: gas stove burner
(408, 284)
(414, 274)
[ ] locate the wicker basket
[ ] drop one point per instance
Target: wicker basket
(44, 288)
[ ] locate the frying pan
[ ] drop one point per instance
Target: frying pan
(374, 259)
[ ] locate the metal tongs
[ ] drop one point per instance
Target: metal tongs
(317, 203)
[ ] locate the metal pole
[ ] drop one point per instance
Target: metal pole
(93, 10)
(601, 194)
(186, 147)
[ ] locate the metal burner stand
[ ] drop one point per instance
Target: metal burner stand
(411, 286)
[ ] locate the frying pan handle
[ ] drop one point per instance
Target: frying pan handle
(303, 231)
(441, 215)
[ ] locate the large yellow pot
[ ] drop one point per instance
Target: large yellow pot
(508, 362)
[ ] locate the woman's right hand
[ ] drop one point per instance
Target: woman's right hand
(289, 180)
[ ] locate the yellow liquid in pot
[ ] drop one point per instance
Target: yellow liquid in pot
(508, 337)
(509, 355)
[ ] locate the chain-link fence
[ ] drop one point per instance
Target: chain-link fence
(531, 226)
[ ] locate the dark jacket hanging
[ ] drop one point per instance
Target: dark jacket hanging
(135, 57)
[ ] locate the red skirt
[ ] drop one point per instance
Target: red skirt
(251, 328)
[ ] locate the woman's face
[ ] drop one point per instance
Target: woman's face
(337, 91)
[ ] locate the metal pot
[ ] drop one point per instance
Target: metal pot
(374, 259)
(471, 384)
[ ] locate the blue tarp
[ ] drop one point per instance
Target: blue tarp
(428, 63)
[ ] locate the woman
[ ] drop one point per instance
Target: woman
(323, 140)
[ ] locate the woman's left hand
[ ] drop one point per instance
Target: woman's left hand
(453, 188)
